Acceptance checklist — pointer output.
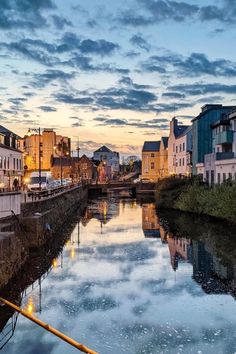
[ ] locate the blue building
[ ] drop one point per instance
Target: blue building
(202, 132)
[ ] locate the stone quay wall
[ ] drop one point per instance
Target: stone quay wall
(42, 218)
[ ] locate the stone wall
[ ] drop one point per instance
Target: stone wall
(43, 218)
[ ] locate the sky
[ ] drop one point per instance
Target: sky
(114, 73)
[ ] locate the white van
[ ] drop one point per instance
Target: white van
(46, 181)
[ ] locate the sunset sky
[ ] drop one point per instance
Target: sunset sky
(113, 72)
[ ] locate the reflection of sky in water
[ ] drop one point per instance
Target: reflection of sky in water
(117, 293)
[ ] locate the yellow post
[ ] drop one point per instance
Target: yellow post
(46, 326)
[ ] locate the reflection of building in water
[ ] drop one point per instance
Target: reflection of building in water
(163, 234)
(104, 210)
(86, 217)
(209, 271)
(180, 249)
(150, 221)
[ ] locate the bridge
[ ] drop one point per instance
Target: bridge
(133, 188)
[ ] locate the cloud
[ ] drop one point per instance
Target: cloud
(23, 14)
(50, 76)
(60, 22)
(47, 108)
(112, 98)
(100, 47)
(197, 89)
(156, 123)
(138, 41)
(156, 11)
(70, 99)
(197, 64)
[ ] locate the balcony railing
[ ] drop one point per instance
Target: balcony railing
(224, 138)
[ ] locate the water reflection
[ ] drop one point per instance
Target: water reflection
(138, 284)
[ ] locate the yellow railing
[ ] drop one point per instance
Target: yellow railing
(48, 328)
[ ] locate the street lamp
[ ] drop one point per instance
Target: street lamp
(38, 131)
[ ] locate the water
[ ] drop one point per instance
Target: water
(123, 283)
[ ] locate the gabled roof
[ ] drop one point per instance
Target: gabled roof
(151, 146)
(6, 131)
(179, 130)
(103, 149)
(165, 141)
(185, 131)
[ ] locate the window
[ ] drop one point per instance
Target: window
(218, 178)
(180, 148)
(152, 154)
(212, 177)
(84, 166)
(176, 149)
(230, 176)
(152, 165)
(4, 163)
(224, 177)
(207, 176)
(180, 162)
(183, 146)
(14, 163)
(183, 161)
(8, 163)
(0, 161)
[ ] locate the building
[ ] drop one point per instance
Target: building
(179, 149)
(11, 160)
(48, 144)
(86, 169)
(109, 157)
(104, 173)
(163, 166)
(151, 160)
(220, 165)
(202, 133)
(64, 167)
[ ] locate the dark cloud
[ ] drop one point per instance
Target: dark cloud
(197, 89)
(197, 64)
(127, 81)
(156, 123)
(175, 95)
(50, 76)
(70, 99)
(100, 47)
(140, 42)
(47, 108)
(156, 11)
(22, 14)
(60, 22)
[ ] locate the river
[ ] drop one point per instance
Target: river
(124, 280)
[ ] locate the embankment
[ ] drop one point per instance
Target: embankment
(190, 195)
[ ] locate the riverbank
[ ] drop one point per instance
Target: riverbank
(190, 195)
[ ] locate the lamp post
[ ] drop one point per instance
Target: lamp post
(38, 131)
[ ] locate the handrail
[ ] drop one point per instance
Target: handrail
(49, 328)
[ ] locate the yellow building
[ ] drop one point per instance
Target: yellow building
(47, 144)
(151, 160)
(155, 159)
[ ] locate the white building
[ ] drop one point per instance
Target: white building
(11, 160)
(111, 158)
(220, 165)
(179, 149)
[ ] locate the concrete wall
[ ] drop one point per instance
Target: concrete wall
(10, 201)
